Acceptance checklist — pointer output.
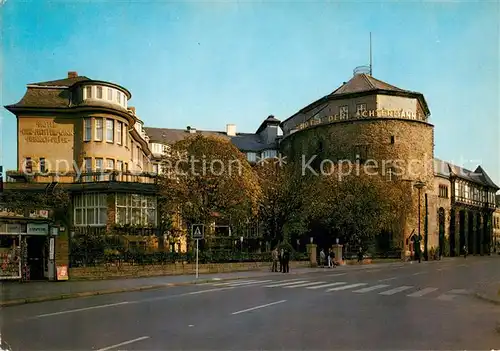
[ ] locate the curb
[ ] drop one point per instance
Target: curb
(483, 297)
(109, 291)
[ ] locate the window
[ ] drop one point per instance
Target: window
(268, 154)
(443, 191)
(98, 167)
(135, 209)
(118, 97)
(344, 112)
(42, 165)
(98, 129)
(138, 155)
(110, 130)
(119, 166)
(110, 164)
(99, 92)
(119, 135)
(28, 165)
(467, 193)
(87, 129)
(360, 108)
(110, 94)
(88, 92)
(251, 157)
(90, 209)
(88, 168)
(393, 139)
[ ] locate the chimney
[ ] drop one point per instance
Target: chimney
(131, 109)
(231, 129)
(72, 74)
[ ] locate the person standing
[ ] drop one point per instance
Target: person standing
(281, 260)
(286, 261)
(275, 260)
(466, 251)
(329, 258)
(322, 258)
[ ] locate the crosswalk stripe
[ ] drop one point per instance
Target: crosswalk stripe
(285, 284)
(326, 285)
(371, 288)
(422, 292)
(346, 287)
(302, 285)
(396, 290)
(445, 297)
(459, 292)
(252, 283)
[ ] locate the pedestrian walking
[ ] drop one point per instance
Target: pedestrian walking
(286, 261)
(329, 258)
(466, 251)
(322, 258)
(275, 258)
(332, 258)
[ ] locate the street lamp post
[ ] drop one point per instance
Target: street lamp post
(419, 185)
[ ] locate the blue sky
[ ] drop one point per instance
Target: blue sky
(205, 64)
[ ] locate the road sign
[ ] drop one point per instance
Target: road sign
(197, 231)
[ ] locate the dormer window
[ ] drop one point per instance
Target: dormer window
(110, 94)
(99, 92)
(360, 108)
(344, 112)
(88, 92)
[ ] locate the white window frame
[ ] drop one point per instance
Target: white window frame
(110, 130)
(119, 133)
(344, 112)
(99, 126)
(87, 129)
(360, 108)
(110, 94)
(252, 156)
(90, 205)
(110, 164)
(88, 89)
(129, 206)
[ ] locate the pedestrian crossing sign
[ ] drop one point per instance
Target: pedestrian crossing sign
(197, 231)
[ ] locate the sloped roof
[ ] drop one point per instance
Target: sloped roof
(66, 82)
(479, 176)
(269, 120)
(364, 82)
(43, 97)
(243, 141)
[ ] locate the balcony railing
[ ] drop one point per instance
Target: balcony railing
(89, 177)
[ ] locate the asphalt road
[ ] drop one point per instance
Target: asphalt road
(392, 307)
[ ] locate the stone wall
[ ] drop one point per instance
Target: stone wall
(407, 145)
(134, 271)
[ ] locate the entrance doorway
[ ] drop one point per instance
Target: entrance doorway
(441, 216)
(36, 247)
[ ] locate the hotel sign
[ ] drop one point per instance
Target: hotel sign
(379, 113)
(47, 132)
(37, 229)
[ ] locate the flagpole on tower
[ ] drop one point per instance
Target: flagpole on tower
(371, 71)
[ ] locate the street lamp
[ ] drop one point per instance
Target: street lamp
(419, 185)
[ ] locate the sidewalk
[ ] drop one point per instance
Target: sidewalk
(15, 293)
(490, 292)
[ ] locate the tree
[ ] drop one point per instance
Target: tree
(356, 208)
(280, 204)
(206, 177)
(19, 200)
